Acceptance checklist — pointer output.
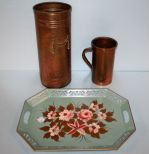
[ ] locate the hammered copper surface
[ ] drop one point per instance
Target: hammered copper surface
(103, 49)
(53, 30)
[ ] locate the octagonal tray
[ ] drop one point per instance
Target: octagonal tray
(76, 119)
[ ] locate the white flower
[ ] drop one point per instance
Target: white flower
(51, 115)
(54, 130)
(94, 128)
(94, 106)
(102, 116)
(41, 119)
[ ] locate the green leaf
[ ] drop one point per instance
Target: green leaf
(95, 102)
(101, 124)
(103, 110)
(110, 119)
(53, 123)
(92, 110)
(109, 113)
(56, 120)
(51, 108)
(47, 120)
(66, 129)
(62, 134)
(64, 123)
(71, 120)
(80, 122)
(56, 137)
(45, 113)
(47, 135)
(70, 107)
(45, 128)
(76, 134)
(77, 109)
(75, 116)
(84, 106)
(87, 130)
(91, 121)
(95, 135)
(100, 106)
(102, 130)
(95, 116)
(61, 108)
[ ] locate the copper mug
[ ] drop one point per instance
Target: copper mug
(53, 30)
(103, 53)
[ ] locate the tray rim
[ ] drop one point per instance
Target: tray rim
(74, 89)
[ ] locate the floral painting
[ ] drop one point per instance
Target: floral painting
(75, 121)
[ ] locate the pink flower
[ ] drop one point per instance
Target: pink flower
(66, 115)
(102, 116)
(94, 127)
(85, 114)
(54, 130)
(51, 115)
(76, 127)
(94, 106)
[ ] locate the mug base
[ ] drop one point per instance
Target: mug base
(105, 83)
(55, 85)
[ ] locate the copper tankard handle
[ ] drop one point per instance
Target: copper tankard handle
(85, 58)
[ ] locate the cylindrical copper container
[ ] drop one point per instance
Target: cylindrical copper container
(53, 30)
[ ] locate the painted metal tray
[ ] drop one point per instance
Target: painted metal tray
(76, 119)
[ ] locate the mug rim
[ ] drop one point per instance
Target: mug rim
(113, 43)
(40, 7)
